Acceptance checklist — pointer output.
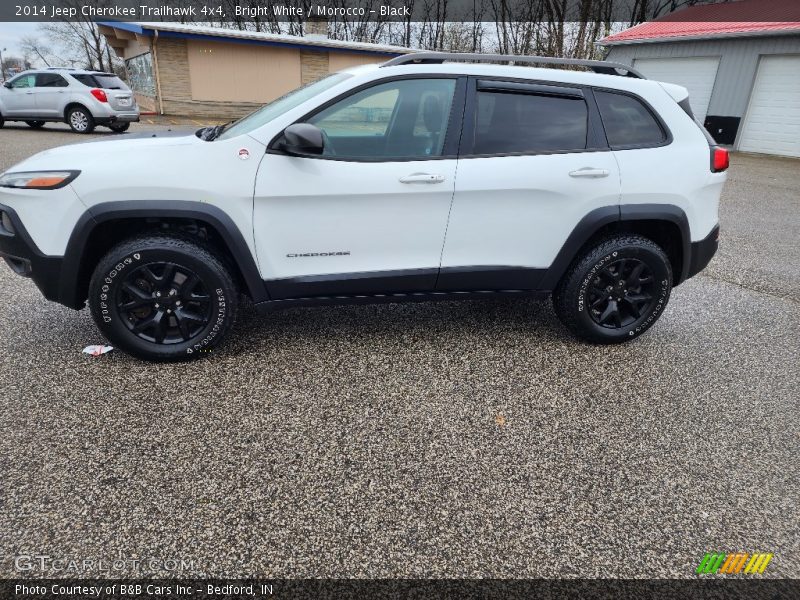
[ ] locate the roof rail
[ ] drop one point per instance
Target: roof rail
(598, 66)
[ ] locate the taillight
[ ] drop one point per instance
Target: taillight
(719, 159)
(100, 95)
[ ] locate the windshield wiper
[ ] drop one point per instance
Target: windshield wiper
(211, 133)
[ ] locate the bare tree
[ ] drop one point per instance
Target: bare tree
(33, 48)
(79, 42)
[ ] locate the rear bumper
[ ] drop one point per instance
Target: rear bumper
(132, 117)
(24, 258)
(703, 251)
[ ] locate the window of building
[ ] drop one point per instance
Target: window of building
(140, 74)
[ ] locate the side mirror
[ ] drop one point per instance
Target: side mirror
(7, 84)
(303, 139)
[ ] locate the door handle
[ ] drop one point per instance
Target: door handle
(589, 172)
(422, 178)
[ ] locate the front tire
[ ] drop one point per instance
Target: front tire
(163, 298)
(616, 291)
(35, 124)
(119, 127)
(80, 120)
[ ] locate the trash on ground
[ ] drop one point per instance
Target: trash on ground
(97, 350)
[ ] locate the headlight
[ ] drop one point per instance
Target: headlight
(37, 180)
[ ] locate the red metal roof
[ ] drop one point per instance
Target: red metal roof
(745, 17)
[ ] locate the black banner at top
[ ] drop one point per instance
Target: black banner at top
(276, 11)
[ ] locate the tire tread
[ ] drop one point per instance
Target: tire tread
(567, 289)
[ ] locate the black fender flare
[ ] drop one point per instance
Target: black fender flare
(598, 218)
(132, 209)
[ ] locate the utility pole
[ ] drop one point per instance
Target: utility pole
(2, 68)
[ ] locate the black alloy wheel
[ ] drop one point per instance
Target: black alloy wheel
(164, 303)
(615, 290)
(621, 293)
(164, 298)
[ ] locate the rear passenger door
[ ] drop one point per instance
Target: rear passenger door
(533, 162)
(49, 93)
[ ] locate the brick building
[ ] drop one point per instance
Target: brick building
(203, 71)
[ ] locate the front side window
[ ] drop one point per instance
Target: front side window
(24, 81)
(50, 80)
(627, 121)
(513, 123)
(403, 119)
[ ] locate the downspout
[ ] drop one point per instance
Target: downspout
(158, 76)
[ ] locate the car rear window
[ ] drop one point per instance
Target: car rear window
(628, 122)
(106, 81)
(509, 123)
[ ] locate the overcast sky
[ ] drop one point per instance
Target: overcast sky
(10, 33)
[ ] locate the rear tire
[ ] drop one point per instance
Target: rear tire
(35, 124)
(119, 127)
(616, 291)
(163, 298)
(80, 120)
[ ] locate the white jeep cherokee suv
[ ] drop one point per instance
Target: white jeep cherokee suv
(432, 176)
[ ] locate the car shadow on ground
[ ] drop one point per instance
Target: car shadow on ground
(495, 318)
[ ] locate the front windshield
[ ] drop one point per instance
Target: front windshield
(277, 107)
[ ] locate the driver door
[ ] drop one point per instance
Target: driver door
(368, 215)
(20, 100)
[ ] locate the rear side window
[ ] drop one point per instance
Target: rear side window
(510, 123)
(50, 80)
(628, 122)
(106, 81)
(85, 79)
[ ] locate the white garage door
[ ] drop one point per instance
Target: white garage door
(695, 74)
(772, 122)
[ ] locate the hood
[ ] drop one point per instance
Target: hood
(82, 155)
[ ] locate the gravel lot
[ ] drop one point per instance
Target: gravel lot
(472, 439)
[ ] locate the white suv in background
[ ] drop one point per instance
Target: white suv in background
(82, 99)
(422, 178)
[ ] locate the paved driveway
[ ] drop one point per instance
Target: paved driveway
(450, 439)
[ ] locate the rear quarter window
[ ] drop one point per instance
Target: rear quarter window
(628, 122)
(100, 80)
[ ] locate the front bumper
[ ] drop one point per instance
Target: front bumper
(703, 251)
(21, 254)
